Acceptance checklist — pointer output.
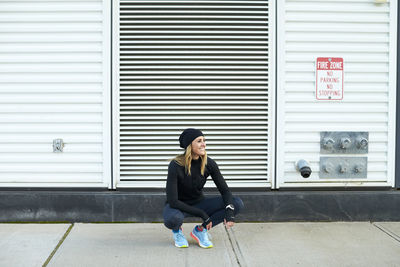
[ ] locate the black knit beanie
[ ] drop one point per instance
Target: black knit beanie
(187, 137)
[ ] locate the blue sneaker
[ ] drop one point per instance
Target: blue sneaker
(180, 239)
(201, 237)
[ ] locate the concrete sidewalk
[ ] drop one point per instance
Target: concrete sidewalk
(247, 244)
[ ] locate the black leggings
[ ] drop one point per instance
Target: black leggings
(213, 206)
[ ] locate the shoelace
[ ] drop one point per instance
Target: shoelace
(207, 236)
(180, 237)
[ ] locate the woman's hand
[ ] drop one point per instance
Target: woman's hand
(209, 226)
(228, 224)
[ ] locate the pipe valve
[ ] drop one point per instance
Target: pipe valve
(304, 168)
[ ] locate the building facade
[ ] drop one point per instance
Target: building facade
(95, 93)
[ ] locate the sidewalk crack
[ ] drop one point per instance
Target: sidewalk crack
(388, 232)
(58, 245)
(236, 248)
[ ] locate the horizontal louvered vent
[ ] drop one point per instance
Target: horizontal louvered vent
(201, 64)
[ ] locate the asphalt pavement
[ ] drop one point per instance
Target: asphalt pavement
(246, 244)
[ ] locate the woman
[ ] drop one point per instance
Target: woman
(187, 174)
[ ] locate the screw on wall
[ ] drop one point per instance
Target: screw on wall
(328, 167)
(362, 143)
(345, 142)
(344, 167)
(359, 167)
(328, 143)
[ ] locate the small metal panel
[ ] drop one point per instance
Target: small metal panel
(343, 167)
(58, 145)
(344, 142)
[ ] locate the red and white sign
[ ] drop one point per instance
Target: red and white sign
(329, 76)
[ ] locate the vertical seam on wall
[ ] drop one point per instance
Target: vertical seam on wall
(397, 151)
(111, 96)
(276, 94)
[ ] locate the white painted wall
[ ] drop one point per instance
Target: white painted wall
(363, 33)
(55, 83)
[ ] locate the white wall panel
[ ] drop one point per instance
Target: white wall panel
(363, 33)
(54, 83)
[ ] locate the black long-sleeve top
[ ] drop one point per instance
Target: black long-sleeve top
(184, 190)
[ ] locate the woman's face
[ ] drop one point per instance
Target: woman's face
(198, 147)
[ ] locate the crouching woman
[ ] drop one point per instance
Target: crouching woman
(187, 174)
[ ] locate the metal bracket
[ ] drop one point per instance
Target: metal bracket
(343, 167)
(344, 142)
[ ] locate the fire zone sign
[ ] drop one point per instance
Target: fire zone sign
(329, 78)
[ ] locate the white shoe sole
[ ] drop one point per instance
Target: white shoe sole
(181, 246)
(198, 241)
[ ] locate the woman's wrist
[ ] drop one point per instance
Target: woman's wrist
(229, 215)
(207, 221)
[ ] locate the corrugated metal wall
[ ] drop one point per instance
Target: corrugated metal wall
(54, 83)
(181, 64)
(202, 64)
(363, 33)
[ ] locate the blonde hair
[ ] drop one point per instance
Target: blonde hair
(185, 159)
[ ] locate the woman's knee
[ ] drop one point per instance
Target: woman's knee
(173, 220)
(238, 203)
